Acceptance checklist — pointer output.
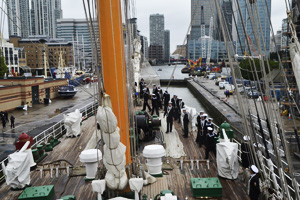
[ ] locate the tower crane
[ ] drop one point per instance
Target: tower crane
(210, 39)
(203, 46)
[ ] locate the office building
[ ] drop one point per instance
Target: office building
(250, 34)
(144, 49)
(18, 17)
(277, 45)
(157, 36)
(44, 16)
(227, 11)
(167, 45)
(133, 28)
(77, 30)
(10, 53)
(156, 52)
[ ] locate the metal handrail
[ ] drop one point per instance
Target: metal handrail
(54, 131)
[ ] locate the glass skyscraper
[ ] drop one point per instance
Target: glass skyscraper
(263, 34)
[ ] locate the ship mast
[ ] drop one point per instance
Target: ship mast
(113, 64)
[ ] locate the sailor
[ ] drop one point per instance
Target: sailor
(145, 86)
(169, 112)
(253, 183)
(141, 84)
(146, 97)
(154, 104)
(166, 98)
(175, 105)
(245, 148)
(12, 121)
(185, 123)
(159, 98)
(209, 123)
(180, 106)
(201, 123)
(205, 116)
(210, 142)
(155, 90)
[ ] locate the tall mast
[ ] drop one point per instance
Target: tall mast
(113, 64)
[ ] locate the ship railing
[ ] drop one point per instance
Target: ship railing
(273, 157)
(55, 131)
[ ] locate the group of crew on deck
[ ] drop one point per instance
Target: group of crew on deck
(173, 110)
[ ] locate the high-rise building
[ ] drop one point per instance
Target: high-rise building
(133, 28)
(167, 45)
(44, 15)
(277, 45)
(196, 11)
(264, 35)
(78, 30)
(18, 17)
(144, 49)
(157, 36)
(227, 11)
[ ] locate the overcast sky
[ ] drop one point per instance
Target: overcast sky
(176, 12)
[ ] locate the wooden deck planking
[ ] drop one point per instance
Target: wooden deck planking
(69, 149)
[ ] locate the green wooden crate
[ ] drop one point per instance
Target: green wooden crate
(206, 187)
(45, 192)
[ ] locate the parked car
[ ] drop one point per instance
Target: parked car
(211, 76)
(240, 88)
(222, 84)
(253, 94)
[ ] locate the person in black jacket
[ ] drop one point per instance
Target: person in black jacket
(180, 106)
(12, 121)
(155, 90)
(154, 104)
(210, 142)
(175, 105)
(169, 112)
(185, 123)
(146, 98)
(166, 98)
(253, 183)
(201, 135)
(160, 95)
(245, 156)
(141, 84)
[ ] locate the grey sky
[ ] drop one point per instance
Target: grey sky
(176, 12)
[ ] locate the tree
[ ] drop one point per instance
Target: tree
(248, 72)
(3, 67)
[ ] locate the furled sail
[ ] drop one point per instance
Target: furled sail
(295, 57)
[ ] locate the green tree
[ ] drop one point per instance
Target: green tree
(248, 72)
(3, 67)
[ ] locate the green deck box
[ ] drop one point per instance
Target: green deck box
(45, 192)
(206, 187)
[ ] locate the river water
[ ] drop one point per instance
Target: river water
(181, 91)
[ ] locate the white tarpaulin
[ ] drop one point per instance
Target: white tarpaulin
(72, 123)
(295, 57)
(17, 171)
(227, 159)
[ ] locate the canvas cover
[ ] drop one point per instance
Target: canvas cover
(72, 123)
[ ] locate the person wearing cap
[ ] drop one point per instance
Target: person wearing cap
(245, 156)
(166, 98)
(155, 90)
(169, 112)
(159, 98)
(141, 84)
(209, 124)
(175, 106)
(185, 123)
(180, 107)
(201, 124)
(253, 183)
(146, 98)
(210, 142)
(154, 104)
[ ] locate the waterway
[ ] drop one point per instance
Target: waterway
(181, 91)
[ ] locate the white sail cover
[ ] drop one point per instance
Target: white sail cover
(227, 159)
(17, 171)
(114, 152)
(295, 57)
(72, 123)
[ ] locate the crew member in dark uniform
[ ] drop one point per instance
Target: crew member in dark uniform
(210, 142)
(175, 105)
(141, 84)
(160, 94)
(155, 90)
(253, 183)
(154, 104)
(209, 123)
(12, 121)
(158, 98)
(245, 148)
(185, 123)
(201, 123)
(166, 98)
(169, 112)
(180, 106)
(146, 98)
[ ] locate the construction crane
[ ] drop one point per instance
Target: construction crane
(210, 40)
(203, 33)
